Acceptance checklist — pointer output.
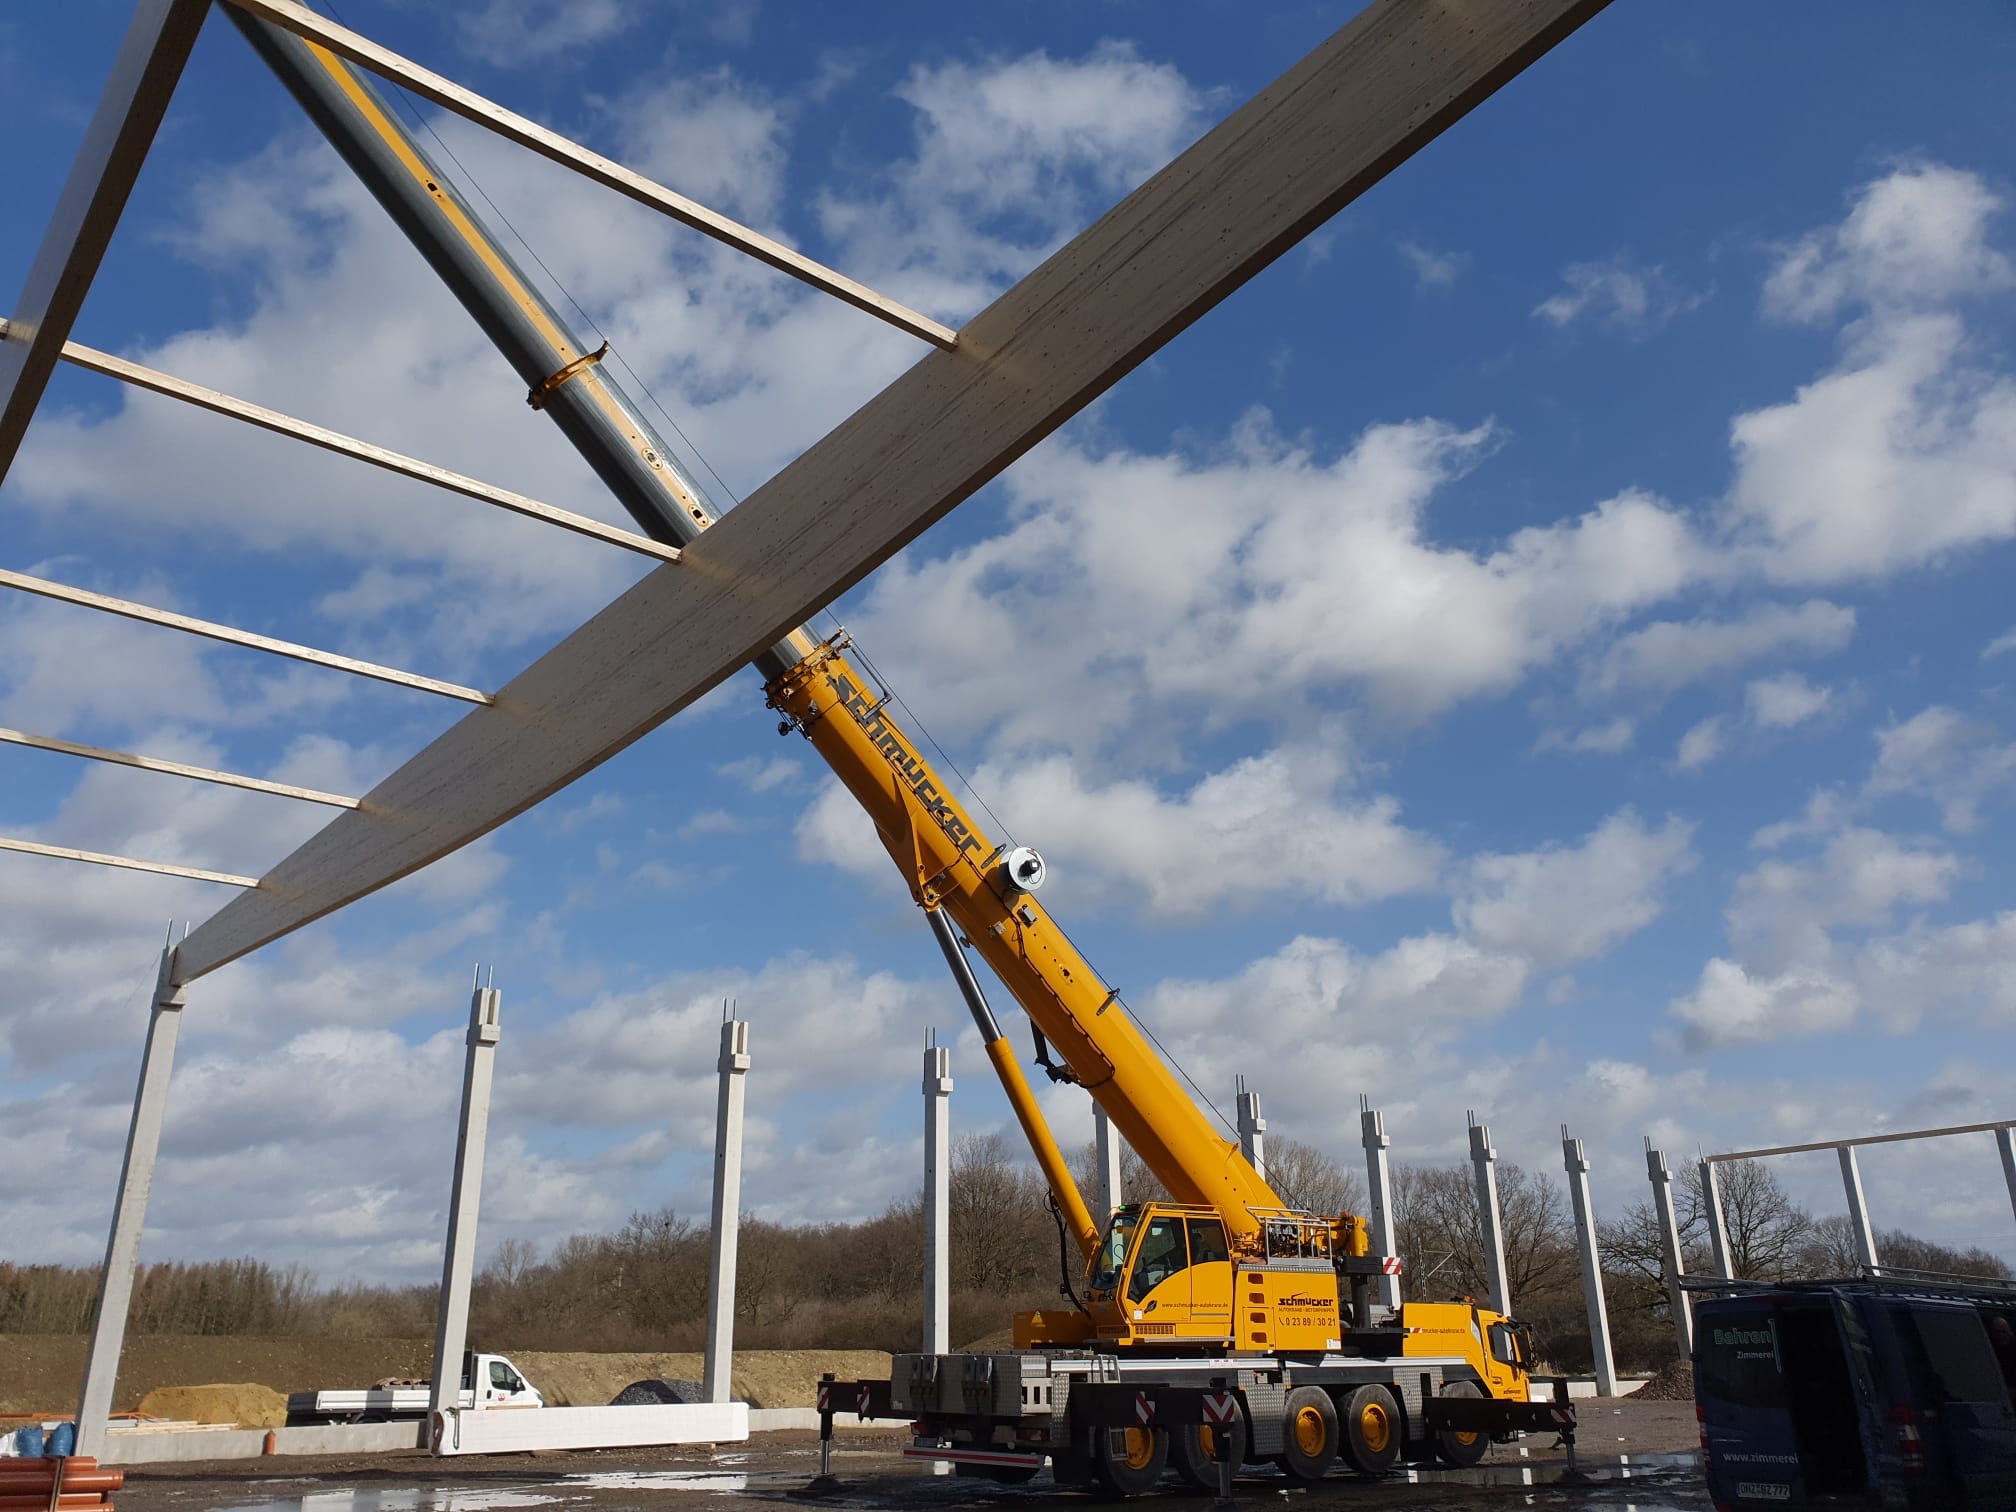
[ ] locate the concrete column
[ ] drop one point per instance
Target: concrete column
(937, 1200)
(734, 1066)
(1490, 1222)
(1669, 1246)
(1858, 1209)
(129, 1209)
(1379, 1194)
(1106, 1146)
(1576, 1163)
(1718, 1226)
(1252, 1130)
(2005, 1141)
(458, 1259)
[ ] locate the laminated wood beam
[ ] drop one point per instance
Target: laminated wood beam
(115, 144)
(1319, 136)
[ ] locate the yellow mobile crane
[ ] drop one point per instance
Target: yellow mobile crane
(1225, 1282)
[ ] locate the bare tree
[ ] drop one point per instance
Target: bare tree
(1441, 1234)
(1767, 1230)
(1309, 1178)
(1830, 1249)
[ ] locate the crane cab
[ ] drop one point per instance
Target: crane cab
(1164, 1277)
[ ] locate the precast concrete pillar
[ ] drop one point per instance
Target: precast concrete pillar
(1252, 1131)
(1379, 1194)
(937, 1200)
(2005, 1141)
(1576, 1163)
(1669, 1248)
(1490, 1220)
(1858, 1209)
(1718, 1226)
(129, 1208)
(1106, 1146)
(458, 1257)
(734, 1067)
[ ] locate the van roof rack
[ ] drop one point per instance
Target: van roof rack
(1887, 1278)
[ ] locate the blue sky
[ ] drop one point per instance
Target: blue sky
(1540, 648)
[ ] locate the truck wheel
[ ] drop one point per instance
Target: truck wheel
(1309, 1434)
(1461, 1449)
(1129, 1461)
(1373, 1430)
(1193, 1451)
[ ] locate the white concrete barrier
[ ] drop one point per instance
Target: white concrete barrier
(494, 1432)
(128, 1447)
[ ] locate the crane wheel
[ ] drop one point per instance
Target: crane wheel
(1309, 1435)
(1461, 1449)
(1374, 1431)
(1129, 1461)
(1193, 1451)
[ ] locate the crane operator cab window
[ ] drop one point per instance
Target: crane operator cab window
(1159, 1256)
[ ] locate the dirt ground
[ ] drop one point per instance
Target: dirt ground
(40, 1372)
(774, 1466)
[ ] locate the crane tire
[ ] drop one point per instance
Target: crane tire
(1374, 1431)
(1129, 1461)
(1309, 1434)
(1193, 1451)
(1461, 1449)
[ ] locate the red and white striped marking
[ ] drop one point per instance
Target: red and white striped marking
(1221, 1407)
(1389, 1265)
(1144, 1408)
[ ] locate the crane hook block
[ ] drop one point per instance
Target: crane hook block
(1023, 869)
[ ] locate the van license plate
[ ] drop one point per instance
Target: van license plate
(1764, 1491)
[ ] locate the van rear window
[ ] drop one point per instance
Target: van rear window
(1953, 1357)
(1737, 1355)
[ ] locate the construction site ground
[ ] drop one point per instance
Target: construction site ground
(1655, 1438)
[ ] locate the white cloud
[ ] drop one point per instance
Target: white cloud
(1701, 744)
(1730, 1005)
(2002, 645)
(1663, 657)
(1905, 451)
(1563, 904)
(1432, 269)
(1783, 914)
(1918, 236)
(760, 776)
(1621, 293)
(1946, 758)
(522, 33)
(1608, 739)
(1286, 820)
(1778, 703)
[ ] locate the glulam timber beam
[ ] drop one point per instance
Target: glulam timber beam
(84, 598)
(115, 144)
(1326, 131)
(169, 386)
(450, 96)
(124, 863)
(174, 768)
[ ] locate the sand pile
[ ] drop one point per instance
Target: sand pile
(246, 1405)
(1673, 1384)
(762, 1378)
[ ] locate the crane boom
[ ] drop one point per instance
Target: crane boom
(948, 862)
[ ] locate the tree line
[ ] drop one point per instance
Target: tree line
(857, 1285)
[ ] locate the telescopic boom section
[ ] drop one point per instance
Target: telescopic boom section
(949, 862)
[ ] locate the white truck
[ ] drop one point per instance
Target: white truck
(488, 1380)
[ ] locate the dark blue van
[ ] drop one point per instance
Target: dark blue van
(1869, 1393)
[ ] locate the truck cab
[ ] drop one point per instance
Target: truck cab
(492, 1381)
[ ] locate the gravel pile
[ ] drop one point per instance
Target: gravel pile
(1673, 1384)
